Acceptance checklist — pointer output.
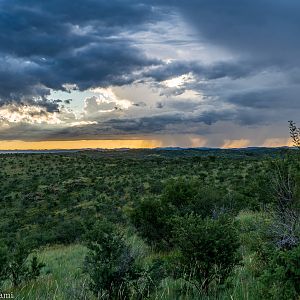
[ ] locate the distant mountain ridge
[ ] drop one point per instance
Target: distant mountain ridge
(217, 148)
(254, 148)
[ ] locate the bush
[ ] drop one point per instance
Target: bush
(208, 248)
(18, 264)
(150, 217)
(67, 231)
(153, 217)
(110, 263)
(3, 262)
(281, 278)
(184, 196)
(178, 192)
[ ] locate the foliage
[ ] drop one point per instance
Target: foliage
(294, 134)
(19, 263)
(3, 262)
(189, 195)
(153, 217)
(54, 197)
(171, 197)
(208, 248)
(150, 217)
(111, 264)
(281, 278)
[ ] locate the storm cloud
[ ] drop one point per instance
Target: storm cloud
(163, 67)
(46, 45)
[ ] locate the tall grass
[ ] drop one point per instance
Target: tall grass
(61, 279)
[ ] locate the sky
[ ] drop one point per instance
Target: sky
(148, 73)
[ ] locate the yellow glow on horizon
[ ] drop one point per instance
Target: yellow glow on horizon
(50, 145)
(236, 143)
(153, 142)
(278, 142)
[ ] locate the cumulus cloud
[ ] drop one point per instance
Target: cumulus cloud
(94, 105)
(104, 105)
(27, 114)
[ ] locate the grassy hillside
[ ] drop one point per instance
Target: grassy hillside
(52, 205)
(62, 278)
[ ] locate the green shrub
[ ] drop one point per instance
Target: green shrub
(67, 231)
(3, 262)
(281, 278)
(179, 192)
(182, 196)
(111, 264)
(18, 263)
(151, 216)
(208, 248)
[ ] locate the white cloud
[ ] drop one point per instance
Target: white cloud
(179, 81)
(27, 114)
(104, 101)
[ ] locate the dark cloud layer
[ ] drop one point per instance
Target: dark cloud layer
(263, 37)
(266, 30)
(232, 69)
(52, 45)
(47, 44)
(277, 97)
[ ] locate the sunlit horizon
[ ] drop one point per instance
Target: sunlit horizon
(131, 144)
